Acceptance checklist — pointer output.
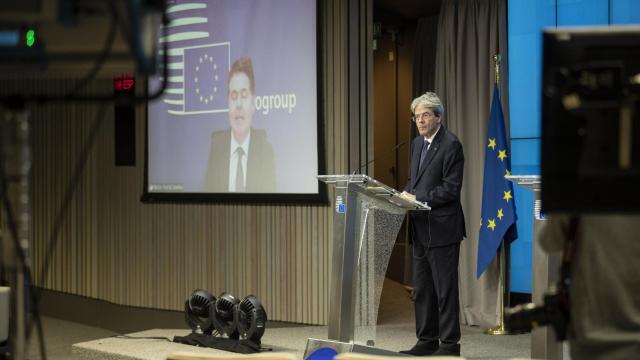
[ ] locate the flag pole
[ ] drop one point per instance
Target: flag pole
(497, 58)
(500, 329)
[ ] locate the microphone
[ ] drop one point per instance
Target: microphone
(378, 158)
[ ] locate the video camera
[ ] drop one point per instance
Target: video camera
(591, 120)
(554, 311)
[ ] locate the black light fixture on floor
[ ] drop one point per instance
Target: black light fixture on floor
(224, 319)
(198, 311)
(252, 319)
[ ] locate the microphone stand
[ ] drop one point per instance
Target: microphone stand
(359, 169)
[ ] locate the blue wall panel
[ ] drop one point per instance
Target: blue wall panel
(521, 248)
(525, 156)
(525, 160)
(526, 19)
(583, 12)
(625, 12)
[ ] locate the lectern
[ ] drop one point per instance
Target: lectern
(367, 218)
(545, 273)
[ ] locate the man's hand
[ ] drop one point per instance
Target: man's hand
(408, 195)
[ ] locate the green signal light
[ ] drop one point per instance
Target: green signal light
(31, 38)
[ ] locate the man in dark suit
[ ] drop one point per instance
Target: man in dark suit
(241, 158)
(437, 163)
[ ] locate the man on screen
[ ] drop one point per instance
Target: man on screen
(437, 162)
(241, 158)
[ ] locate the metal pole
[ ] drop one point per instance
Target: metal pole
(497, 58)
(500, 329)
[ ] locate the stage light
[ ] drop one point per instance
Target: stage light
(252, 319)
(198, 310)
(224, 319)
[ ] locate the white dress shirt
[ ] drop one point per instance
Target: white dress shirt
(430, 140)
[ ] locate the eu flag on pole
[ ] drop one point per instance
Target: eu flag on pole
(498, 217)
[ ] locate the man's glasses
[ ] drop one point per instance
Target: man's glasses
(242, 94)
(424, 116)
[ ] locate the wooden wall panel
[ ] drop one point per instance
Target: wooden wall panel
(115, 248)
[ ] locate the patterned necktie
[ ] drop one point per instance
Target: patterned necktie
(239, 171)
(423, 153)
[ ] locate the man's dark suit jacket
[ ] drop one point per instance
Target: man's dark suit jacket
(438, 183)
(261, 172)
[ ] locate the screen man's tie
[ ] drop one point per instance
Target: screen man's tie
(239, 171)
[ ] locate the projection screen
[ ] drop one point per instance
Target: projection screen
(239, 120)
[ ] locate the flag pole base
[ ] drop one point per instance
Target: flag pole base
(501, 330)
(497, 330)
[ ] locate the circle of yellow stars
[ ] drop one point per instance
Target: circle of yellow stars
(203, 62)
(502, 154)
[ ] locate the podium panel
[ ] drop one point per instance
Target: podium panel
(367, 218)
(381, 222)
(545, 273)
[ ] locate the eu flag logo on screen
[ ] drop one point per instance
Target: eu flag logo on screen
(205, 78)
(498, 219)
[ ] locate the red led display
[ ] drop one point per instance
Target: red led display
(124, 83)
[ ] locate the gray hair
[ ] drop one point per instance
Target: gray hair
(428, 100)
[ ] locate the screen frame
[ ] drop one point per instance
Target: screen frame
(321, 197)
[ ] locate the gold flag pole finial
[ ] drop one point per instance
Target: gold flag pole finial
(497, 58)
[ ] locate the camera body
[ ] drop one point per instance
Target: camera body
(590, 153)
(554, 311)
